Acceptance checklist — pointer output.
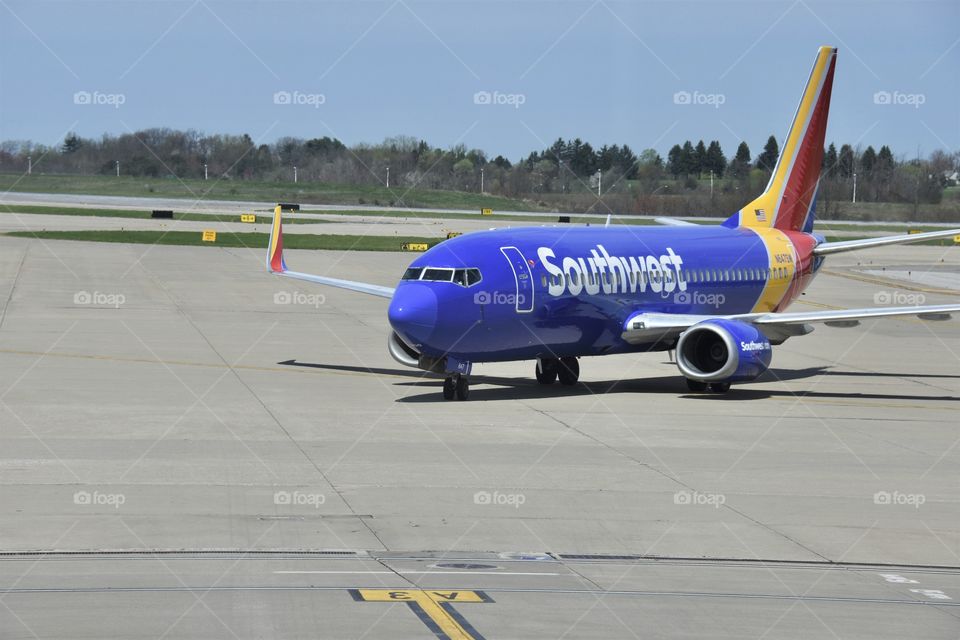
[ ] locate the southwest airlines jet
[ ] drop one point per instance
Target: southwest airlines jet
(715, 294)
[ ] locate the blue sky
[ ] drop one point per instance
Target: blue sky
(605, 71)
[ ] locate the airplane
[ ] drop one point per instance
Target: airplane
(713, 294)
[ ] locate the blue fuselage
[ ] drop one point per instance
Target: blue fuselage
(568, 290)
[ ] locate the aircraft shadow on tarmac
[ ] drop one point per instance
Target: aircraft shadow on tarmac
(504, 388)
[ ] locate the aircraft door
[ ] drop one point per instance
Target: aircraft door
(524, 278)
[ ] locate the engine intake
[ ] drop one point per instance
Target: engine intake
(402, 352)
(723, 351)
(407, 355)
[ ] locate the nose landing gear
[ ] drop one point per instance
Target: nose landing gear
(546, 370)
(457, 386)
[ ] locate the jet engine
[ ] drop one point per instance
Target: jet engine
(723, 351)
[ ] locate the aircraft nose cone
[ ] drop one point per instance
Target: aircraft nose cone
(413, 312)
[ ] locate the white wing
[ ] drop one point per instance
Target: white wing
(276, 265)
(648, 327)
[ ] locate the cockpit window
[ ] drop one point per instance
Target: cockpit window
(462, 277)
(413, 273)
(437, 275)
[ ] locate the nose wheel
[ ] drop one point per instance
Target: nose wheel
(546, 370)
(569, 371)
(456, 386)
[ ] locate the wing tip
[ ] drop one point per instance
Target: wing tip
(275, 262)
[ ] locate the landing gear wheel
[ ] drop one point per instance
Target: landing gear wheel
(569, 371)
(449, 388)
(719, 387)
(463, 388)
(546, 370)
(696, 386)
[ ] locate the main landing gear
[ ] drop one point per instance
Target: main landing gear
(714, 387)
(457, 386)
(548, 370)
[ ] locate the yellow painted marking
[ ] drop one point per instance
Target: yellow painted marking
(956, 239)
(209, 235)
(248, 217)
(404, 595)
(914, 231)
(453, 234)
(428, 604)
(782, 264)
(486, 212)
(414, 246)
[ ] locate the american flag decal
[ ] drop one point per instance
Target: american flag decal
(761, 215)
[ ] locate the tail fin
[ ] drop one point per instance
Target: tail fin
(790, 198)
(275, 263)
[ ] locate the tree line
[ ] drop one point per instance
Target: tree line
(565, 174)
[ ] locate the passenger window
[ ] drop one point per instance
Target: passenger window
(543, 281)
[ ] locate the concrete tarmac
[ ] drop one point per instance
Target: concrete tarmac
(183, 428)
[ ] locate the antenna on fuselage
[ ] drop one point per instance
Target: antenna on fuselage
(609, 215)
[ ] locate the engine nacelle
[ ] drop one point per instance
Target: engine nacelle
(407, 355)
(723, 351)
(402, 352)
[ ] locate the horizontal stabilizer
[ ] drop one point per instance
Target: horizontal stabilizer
(826, 248)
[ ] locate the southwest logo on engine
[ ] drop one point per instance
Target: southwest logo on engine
(754, 346)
